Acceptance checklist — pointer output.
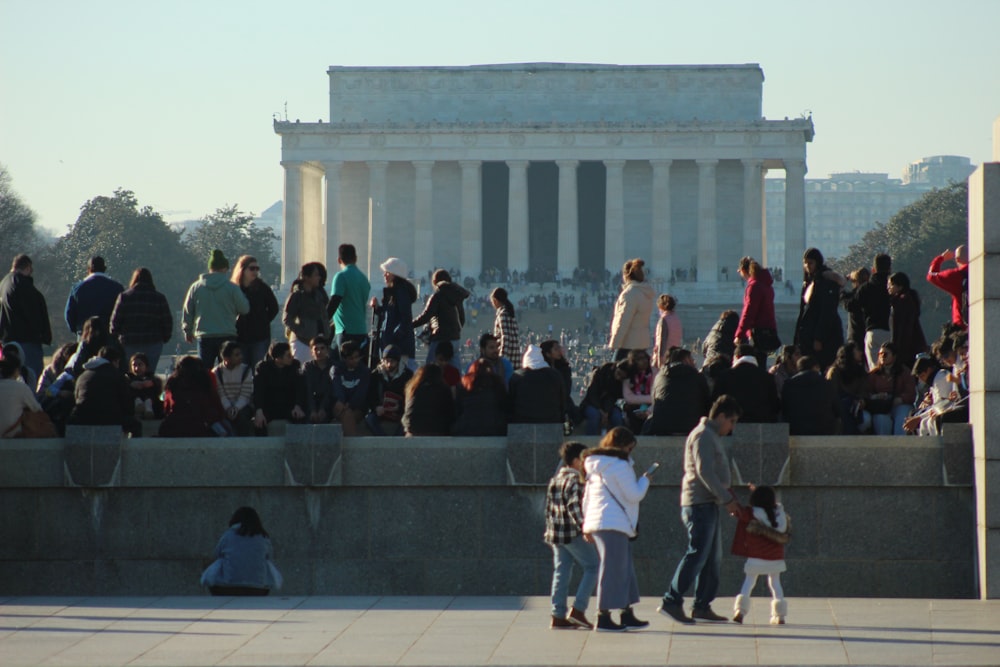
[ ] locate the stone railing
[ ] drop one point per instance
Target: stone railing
(97, 514)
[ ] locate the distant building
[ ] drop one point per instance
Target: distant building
(842, 208)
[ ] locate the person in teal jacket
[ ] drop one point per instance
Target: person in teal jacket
(210, 309)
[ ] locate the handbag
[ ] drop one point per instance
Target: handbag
(34, 424)
(764, 339)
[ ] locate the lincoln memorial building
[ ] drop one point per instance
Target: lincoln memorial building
(549, 166)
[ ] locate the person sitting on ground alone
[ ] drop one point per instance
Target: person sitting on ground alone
(243, 559)
(809, 401)
(350, 388)
(893, 392)
(537, 394)
(489, 351)
(145, 388)
(751, 386)
(681, 396)
(318, 385)
(278, 389)
(600, 402)
(234, 384)
(785, 366)
(481, 403)
(850, 379)
(102, 396)
(444, 355)
(15, 398)
(191, 407)
(430, 408)
(387, 393)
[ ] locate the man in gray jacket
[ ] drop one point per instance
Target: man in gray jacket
(704, 488)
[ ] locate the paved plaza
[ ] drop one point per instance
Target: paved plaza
(481, 631)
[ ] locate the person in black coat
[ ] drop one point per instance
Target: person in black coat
(430, 408)
(809, 402)
(555, 357)
(445, 314)
(481, 402)
(253, 329)
(387, 393)
(278, 388)
(751, 386)
(24, 316)
(537, 393)
(604, 390)
(101, 394)
(852, 304)
(819, 331)
(719, 341)
(681, 396)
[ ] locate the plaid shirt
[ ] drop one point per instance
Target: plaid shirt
(505, 329)
(563, 512)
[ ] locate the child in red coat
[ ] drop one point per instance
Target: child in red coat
(762, 531)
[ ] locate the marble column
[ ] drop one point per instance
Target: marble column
(708, 233)
(795, 214)
(517, 216)
(614, 216)
(333, 227)
(568, 257)
(423, 231)
(376, 190)
(471, 258)
(753, 220)
(660, 259)
(312, 240)
(291, 235)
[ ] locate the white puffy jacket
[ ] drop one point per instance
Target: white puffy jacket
(610, 476)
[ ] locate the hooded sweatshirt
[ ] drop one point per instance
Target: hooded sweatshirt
(445, 312)
(212, 305)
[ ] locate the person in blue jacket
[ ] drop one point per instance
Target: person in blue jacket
(243, 559)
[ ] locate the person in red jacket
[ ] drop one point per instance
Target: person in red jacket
(762, 531)
(757, 325)
(954, 281)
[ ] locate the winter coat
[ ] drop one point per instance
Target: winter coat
(907, 333)
(753, 388)
(102, 395)
(818, 318)
(810, 405)
(24, 317)
(430, 410)
(212, 306)
(397, 311)
(603, 391)
(350, 387)
(873, 298)
(241, 561)
(190, 408)
(719, 341)
(141, 316)
(304, 316)
(444, 312)
(758, 305)
(680, 398)
(630, 322)
(537, 396)
(482, 411)
(381, 386)
(94, 296)
(255, 325)
(612, 494)
(276, 391)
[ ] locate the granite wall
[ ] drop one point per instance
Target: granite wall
(95, 514)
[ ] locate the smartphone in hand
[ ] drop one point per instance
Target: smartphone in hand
(649, 472)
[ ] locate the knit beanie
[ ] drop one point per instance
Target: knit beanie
(533, 358)
(217, 261)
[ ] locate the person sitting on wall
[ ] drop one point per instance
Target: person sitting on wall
(537, 394)
(318, 386)
(244, 559)
(350, 388)
(386, 393)
(481, 403)
(191, 406)
(751, 386)
(278, 389)
(681, 396)
(234, 384)
(430, 408)
(604, 391)
(102, 396)
(809, 402)
(145, 388)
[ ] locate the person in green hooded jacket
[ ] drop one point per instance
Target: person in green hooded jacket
(211, 307)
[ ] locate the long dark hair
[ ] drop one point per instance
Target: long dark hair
(429, 374)
(190, 370)
(500, 294)
(142, 276)
(249, 521)
(763, 497)
(902, 281)
(849, 368)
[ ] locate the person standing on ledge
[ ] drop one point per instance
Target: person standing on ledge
(93, 296)
(211, 308)
(348, 296)
(954, 281)
(704, 487)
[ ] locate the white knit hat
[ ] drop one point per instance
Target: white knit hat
(533, 358)
(396, 267)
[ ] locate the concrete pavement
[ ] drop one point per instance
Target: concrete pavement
(482, 631)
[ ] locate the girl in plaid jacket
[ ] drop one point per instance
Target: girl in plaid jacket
(505, 327)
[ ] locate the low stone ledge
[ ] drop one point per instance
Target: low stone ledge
(424, 461)
(858, 460)
(532, 452)
(92, 455)
(759, 453)
(313, 455)
(203, 462)
(31, 463)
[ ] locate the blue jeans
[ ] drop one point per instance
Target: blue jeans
(456, 360)
(254, 352)
(33, 358)
(153, 351)
(702, 562)
(563, 557)
(891, 423)
(592, 417)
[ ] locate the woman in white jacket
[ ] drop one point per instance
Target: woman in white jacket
(610, 516)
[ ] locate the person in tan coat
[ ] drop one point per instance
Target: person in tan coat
(630, 322)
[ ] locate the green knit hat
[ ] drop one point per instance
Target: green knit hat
(217, 261)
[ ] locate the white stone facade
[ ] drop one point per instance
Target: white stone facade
(507, 166)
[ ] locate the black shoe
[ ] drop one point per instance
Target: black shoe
(675, 611)
(707, 614)
(629, 620)
(605, 624)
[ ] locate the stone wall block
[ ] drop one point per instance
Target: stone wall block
(313, 454)
(425, 461)
(956, 453)
(984, 415)
(203, 462)
(533, 452)
(31, 463)
(854, 523)
(864, 460)
(93, 455)
(984, 207)
(759, 453)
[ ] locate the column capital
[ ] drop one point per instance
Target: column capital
(614, 164)
(518, 164)
(377, 164)
(291, 163)
(422, 163)
(470, 164)
(795, 167)
(752, 162)
(567, 164)
(332, 165)
(707, 163)
(661, 164)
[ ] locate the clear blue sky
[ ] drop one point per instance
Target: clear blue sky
(174, 100)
